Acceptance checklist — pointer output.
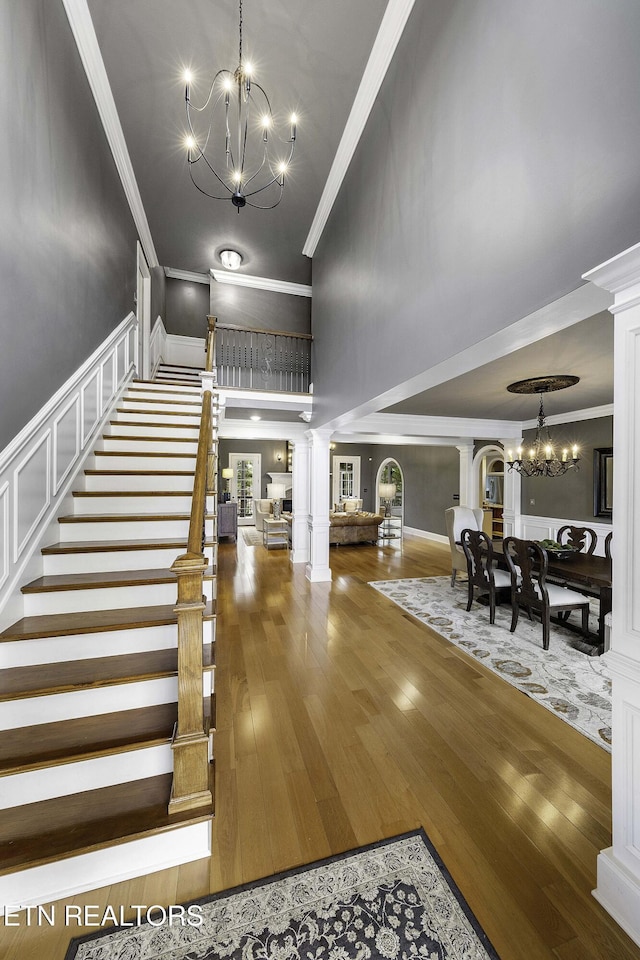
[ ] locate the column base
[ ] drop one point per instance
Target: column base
(318, 574)
(618, 891)
(299, 556)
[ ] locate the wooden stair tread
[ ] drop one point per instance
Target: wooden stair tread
(124, 517)
(94, 621)
(83, 737)
(139, 473)
(143, 386)
(93, 494)
(43, 679)
(104, 578)
(165, 413)
(148, 439)
(42, 832)
(151, 453)
(115, 546)
(121, 422)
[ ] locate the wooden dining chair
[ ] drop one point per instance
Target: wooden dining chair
(607, 545)
(528, 562)
(483, 576)
(582, 539)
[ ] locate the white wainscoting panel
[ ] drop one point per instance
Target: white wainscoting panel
(66, 441)
(4, 533)
(32, 486)
(185, 351)
(546, 528)
(157, 345)
(40, 464)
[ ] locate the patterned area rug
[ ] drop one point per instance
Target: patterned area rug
(392, 900)
(564, 679)
(252, 537)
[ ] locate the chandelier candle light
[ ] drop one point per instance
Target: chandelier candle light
(542, 460)
(237, 111)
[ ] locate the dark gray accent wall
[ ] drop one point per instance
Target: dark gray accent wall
(431, 478)
(187, 307)
(67, 240)
(250, 307)
(158, 295)
(499, 163)
(569, 496)
(268, 449)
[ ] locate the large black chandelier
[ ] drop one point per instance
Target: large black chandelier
(542, 459)
(237, 113)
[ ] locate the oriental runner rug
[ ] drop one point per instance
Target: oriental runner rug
(564, 679)
(393, 900)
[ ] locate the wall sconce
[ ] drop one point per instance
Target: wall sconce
(279, 457)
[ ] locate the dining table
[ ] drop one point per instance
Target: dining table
(584, 572)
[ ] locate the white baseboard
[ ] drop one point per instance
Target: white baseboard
(619, 893)
(426, 535)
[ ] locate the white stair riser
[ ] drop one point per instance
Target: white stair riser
(161, 430)
(154, 445)
(57, 564)
(74, 875)
(132, 504)
(143, 481)
(87, 703)
(87, 646)
(106, 598)
(164, 417)
(188, 405)
(140, 462)
(165, 392)
(126, 530)
(63, 780)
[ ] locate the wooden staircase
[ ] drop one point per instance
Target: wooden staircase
(173, 373)
(89, 688)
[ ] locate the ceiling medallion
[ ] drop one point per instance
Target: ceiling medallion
(237, 113)
(542, 460)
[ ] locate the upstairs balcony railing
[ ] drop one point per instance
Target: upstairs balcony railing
(262, 359)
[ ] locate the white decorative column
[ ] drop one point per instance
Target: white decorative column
(466, 472)
(301, 501)
(511, 492)
(618, 888)
(318, 566)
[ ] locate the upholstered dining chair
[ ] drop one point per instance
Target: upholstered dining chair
(583, 539)
(458, 519)
(483, 576)
(528, 563)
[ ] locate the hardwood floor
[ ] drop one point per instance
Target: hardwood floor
(340, 721)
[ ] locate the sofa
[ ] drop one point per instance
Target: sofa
(353, 526)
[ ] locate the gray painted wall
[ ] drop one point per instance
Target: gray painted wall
(68, 242)
(498, 164)
(268, 449)
(187, 307)
(569, 496)
(249, 307)
(431, 478)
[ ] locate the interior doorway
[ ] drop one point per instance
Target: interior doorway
(390, 499)
(245, 484)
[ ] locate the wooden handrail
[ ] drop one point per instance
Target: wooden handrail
(190, 742)
(274, 333)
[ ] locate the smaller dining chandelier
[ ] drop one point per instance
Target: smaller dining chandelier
(541, 459)
(231, 155)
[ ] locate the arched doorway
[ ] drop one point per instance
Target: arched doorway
(390, 498)
(488, 487)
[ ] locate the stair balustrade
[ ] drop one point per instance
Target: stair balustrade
(190, 743)
(252, 358)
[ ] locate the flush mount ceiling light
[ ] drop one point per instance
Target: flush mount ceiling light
(230, 259)
(543, 460)
(234, 151)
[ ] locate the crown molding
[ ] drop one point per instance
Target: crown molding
(174, 274)
(619, 273)
(262, 283)
(87, 43)
(589, 413)
(391, 28)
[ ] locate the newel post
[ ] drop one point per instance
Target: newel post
(190, 741)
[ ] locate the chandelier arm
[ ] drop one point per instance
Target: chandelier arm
(204, 192)
(210, 94)
(259, 206)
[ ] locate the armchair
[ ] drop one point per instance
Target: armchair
(262, 509)
(457, 519)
